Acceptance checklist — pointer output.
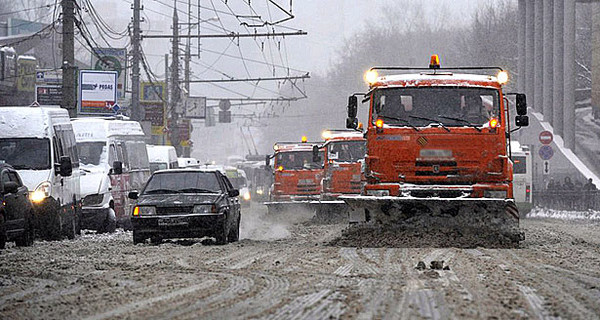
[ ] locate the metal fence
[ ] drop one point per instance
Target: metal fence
(577, 200)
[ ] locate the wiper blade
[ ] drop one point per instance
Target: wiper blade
(161, 191)
(472, 125)
(400, 119)
(199, 190)
(430, 119)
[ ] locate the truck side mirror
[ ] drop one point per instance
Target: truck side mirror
(65, 166)
(117, 167)
(522, 121)
(315, 154)
(133, 195)
(352, 121)
(233, 192)
(11, 187)
(521, 104)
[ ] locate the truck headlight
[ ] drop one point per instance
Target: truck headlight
(93, 199)
(42, 191)
(496, 194)
(378, 193)
(144, 211)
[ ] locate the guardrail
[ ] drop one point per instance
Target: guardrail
(577, 200)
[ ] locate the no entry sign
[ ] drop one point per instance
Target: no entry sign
(546, 137)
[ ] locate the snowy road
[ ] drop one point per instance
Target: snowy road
(293, 272)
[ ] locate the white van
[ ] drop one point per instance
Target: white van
(188, 163)
(522, 176)
(162, 157)
(39, 143)
(114, 161)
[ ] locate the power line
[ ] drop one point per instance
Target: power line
(231, 35)
(305, 76)
(28, 9)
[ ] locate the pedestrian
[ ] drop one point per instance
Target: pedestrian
(568, 185)
(589, 186)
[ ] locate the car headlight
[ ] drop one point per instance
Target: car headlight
(497, 194)
(41, 192)
(259, 191)
(93, 199)
(378, 193)
(205, 209)
(247, 196)
(144, 211)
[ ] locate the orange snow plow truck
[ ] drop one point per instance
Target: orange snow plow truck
(437, 151)
(297, 177)
(344, 152)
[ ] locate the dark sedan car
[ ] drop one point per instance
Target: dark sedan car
(16, 210)
(186, 203)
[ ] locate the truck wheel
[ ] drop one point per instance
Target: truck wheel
(137, 238)
(2, 232)
(156, 240)
(110, 223)
(51, 223)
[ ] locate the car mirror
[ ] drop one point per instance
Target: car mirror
(133, 195)
(65, 166)
(234, 192)
(11, 187)
(117, 167)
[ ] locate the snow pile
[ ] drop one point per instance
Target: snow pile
(563, 214)
(256, 224)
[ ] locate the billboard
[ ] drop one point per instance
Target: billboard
(113, 59)
(153, 91)
(195, 108)
(97, 92)
(48, 76)
(26, 74)
(154, 112)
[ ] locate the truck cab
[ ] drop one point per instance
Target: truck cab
(344, 157)
(296, 176)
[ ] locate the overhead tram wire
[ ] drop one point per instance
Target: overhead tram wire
(49, 5)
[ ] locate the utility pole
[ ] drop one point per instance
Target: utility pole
(188, 55)
(136, 112)
(175, 92)
(68, 51)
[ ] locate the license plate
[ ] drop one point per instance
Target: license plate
(172, 222)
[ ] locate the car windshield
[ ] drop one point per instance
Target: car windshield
(182, 182)
(298, 160)
(346, 151)
(451, 106)
(154, 166)
(26, 153)
(91, 153)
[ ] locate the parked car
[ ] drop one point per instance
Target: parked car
(40, 145)
(162, 157)
(114, 161)
(16, 210)
(186, 203)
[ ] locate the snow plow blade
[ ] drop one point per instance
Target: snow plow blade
(482, 217)
(322, 211)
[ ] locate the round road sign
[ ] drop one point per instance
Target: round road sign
(546, 137)
(546, 152)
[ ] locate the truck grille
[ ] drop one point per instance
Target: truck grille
(436, 168)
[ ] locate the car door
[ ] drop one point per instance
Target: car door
(22, 200)
(15, 203)
(234, 202)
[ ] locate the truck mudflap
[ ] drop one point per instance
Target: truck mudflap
(485, 217)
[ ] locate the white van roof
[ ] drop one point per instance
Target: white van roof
(31, 121)
(161, 153)
(97, 129)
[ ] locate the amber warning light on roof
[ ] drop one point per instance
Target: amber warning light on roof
(434, 62)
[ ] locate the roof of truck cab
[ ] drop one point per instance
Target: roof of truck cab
(30, 121)
(100, 129)
(428, 79)
(290, 147)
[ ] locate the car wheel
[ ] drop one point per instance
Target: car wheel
(234, 234)
(2, 232)
(222, 237)
(137, 238)
(26, 238)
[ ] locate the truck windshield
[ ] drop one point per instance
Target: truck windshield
(298, 160)
(91, 153)
(421, 106)
(346, 151)
(182, 182)
(26, 153)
